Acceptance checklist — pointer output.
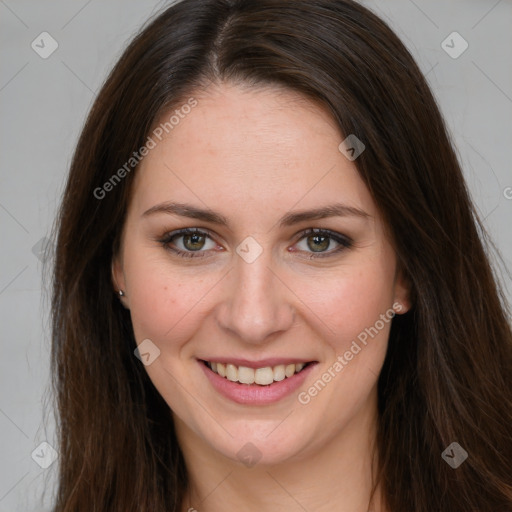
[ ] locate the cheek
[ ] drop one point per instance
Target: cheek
(350, 303)
(356, 317)
(358, 311)
(162, 301)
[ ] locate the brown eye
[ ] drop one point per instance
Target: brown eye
(193, 242)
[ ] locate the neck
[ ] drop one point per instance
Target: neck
(340, 472)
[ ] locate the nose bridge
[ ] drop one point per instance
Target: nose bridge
(256, 303)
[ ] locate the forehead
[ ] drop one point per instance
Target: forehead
(250, 148)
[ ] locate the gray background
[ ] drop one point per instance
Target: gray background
(43, 103)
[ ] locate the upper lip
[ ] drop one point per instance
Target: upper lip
(262, 363)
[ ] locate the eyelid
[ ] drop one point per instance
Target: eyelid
(339, 237)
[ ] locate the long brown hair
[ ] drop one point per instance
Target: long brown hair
(447, 376)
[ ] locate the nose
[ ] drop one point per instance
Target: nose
(257, 304)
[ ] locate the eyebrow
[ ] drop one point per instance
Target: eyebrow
(206, 215)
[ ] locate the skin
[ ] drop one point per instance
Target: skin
(254, 155)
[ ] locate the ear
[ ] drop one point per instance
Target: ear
(118, 280)
(402, 301)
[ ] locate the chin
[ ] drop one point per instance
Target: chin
(262, 441)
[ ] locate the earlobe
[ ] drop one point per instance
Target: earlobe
(118, 281)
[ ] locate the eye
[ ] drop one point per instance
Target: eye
(191, 242)
(319, 240)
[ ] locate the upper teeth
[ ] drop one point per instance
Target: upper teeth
(262, 376)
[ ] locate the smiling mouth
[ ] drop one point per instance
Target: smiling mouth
(261, 376)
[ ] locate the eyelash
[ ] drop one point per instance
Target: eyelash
(344, 241)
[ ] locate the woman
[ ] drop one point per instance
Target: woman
(270, 291)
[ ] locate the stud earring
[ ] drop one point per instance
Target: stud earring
(121, 293)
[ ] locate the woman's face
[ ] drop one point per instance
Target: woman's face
(253, 289)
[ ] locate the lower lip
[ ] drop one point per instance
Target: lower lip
(254, 394)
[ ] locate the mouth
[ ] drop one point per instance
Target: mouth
(263, 376)
(256, 383)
